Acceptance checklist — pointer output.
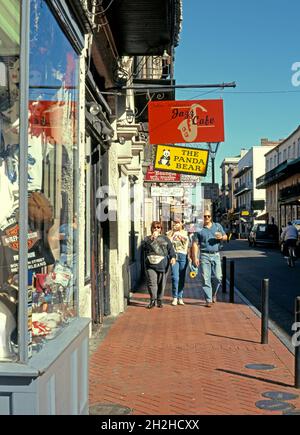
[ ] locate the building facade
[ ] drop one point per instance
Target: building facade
(72, 178)
(229, 168)
(250, 201)
(281, 180)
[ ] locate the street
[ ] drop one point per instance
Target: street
(254, 264)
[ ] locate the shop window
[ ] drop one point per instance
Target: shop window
(9, 181)
(52, 169)
(88, 228)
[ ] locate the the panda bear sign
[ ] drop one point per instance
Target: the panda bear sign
(165, 158)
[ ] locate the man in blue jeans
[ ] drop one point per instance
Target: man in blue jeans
(208, 241)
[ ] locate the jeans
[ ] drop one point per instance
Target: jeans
(178, 275)
(211, 274)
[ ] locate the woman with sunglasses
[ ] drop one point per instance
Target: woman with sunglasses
(180, 242)
(159, 254)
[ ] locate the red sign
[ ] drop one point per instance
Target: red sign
(161, 177)
(186, 121)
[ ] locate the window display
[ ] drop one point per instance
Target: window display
(52, 148)
(52, 168)
(9, 185)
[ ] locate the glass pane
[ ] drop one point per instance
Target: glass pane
(9, 180)
(52, 148)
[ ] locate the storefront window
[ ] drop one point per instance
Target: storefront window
(52, 163)
(9, 181)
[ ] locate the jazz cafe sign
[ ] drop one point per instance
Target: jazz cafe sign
(186, 121)
(181, 159)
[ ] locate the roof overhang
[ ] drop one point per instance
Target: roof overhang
(144, 27)
(280, 173)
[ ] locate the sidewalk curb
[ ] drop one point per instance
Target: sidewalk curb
(283, 337)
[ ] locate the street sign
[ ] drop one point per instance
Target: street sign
(166, 191)
(186, 121)
(153, 176)
(186, 178)
(245, 213)
(181, 159)
(210, 191)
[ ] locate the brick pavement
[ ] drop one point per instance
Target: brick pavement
(188, 360)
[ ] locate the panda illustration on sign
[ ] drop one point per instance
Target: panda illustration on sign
(165, 158)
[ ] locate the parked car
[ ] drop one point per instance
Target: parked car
(264, 234)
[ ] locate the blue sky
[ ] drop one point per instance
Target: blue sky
(254, 43)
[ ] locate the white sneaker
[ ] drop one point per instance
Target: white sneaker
(174, 301)
(180, 302)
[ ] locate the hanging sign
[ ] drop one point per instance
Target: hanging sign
(153, 176)
(166, 191)
(181, 159)
(186, 121)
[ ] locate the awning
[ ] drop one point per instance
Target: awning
(262, 217)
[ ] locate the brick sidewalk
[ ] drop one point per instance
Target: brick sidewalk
(188, 360)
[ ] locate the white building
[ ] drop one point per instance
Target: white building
(250, 200)
(282, 180)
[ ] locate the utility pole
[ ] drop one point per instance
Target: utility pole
(212, 153)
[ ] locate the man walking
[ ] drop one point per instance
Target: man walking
(289, 237)
(208, 241)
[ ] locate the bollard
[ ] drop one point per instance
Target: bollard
(264, 310)
(231, 282)
(297, 347)
(224, 259)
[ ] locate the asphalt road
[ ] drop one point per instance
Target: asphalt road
(254, 264)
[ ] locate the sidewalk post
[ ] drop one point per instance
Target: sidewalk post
(231, 282)
(264, 310)
(224, 259)
(297, 348)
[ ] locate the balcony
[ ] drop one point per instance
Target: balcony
(242, 189)
(141, 98)
(272, 176)
(290, 193)
(280, 173)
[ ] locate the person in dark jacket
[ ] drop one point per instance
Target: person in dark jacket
(159, 254)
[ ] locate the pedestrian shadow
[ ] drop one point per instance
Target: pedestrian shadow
(256, 378)
(233, 338)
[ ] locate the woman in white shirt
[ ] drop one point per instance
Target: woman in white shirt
(180, 242)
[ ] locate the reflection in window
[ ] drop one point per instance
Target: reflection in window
(9, 182)
(52, 147)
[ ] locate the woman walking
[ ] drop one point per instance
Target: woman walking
(180, 242)
(159, 253)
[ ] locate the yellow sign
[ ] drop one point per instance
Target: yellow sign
(181, 159)
(245, 213)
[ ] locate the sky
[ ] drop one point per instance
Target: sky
(254, 43)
